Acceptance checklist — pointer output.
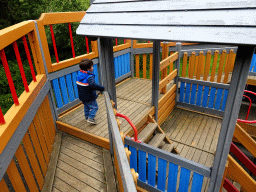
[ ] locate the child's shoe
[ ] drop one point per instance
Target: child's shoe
(92, 121)
(86, 118)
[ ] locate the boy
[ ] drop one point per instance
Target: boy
(86, 89)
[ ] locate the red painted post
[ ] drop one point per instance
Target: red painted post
(116, 41)
(9, 77)
(54, 44)
(22, 73)
(87, 45)
(71, 40)
(29, 58)
(124, 41)
(229, 186)
(2, 121)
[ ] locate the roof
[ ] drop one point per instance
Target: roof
(215, 21)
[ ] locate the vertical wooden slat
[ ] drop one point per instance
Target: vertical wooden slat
(184, 179)
(214, 65)
(172, 177)
(144, 66)
(224, 100)
(151, 170)
(64, 91)
(205, 96)
(42, 160)
(196, 65)
(26, 171)
(74, 84)
(48, 107)
(218, 99)
(150, 65)
(182, 86)
(3, 186)
(184, 65)
(133, 158)
(222, 60)
(171, 65)
(212, 97)
(200, 66)
(197, 182)
(207, 65)
(42, 139)
(165, 50)
(70, 87)
(229, 63)
(187, 94)
(142, 165)
(15, 178)
(137, 61)
(192, 61)
(161, 180)
(32, 158)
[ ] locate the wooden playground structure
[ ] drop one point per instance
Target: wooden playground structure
(185, 115)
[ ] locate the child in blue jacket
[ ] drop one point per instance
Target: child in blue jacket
(86, 89)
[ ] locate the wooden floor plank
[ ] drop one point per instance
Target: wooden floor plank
(60, 185)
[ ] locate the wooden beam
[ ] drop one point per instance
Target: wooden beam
(15, 114)
(10, 34)
(121, 47)
(167, 79)
(168, 60)
(251, 82)
(100, 141)
(250, 129)
(166, 96)
(61, 17)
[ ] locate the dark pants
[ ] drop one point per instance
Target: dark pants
(90, 109)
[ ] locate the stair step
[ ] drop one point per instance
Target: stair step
(168, 147)
(147, 131)
(157, 139)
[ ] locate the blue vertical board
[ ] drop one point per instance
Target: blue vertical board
(187, 94)
(212, 97)
(133, 158)
(193, 94)
(184, 180)
(172, 177)
(128, 62)
(205, 96)
(253, 63)
(116, 69)
(224, 100)
(95, 72)
(142, 165)
(74, 75)
(161, 179)
(182, 85)
(56, 90)
(122, 64)
(70, 87)
(218, 99)
(119, 66)
(197, 182)
(64, 91)
(151, 170)
(199, 95)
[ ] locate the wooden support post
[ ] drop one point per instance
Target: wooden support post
(165, 50)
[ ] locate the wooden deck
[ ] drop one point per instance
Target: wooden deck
(81, 166)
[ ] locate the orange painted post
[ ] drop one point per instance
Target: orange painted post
(150, 65)
(26, 171)
(144, 66)
(192, 61)
(214, 65)
(137, 61)
(3, 186)
(184, 65)
(165, 50)
(229, 63)
(221, 63)
(196, 64)
(207, 65)
(15, 178)
(200, 66)
(171, 65)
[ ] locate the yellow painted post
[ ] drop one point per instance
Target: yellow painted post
(150, 65)
(214, 65)
(229, 63)
(221, 63)
(207, 65)
(165, 50)
(144, 66)
(200, 65)
(192, 62)
(171, 65)
(184, 65)
(137, 63)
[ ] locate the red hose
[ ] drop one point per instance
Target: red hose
(132, 125)
(249, 108)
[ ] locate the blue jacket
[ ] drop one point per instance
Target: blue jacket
(86, 86)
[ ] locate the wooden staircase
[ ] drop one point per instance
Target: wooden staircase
(152, 134)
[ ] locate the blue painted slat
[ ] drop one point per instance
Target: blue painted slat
(64, 91)
(95, 72)
(151, 170)
(125, 63)
(224, 100)
(133, 158)
(182, 85)
(128, 62)
(116, 68)
(218, 99)
(172, 178)
(212, 97)
(187, 94)
(122, 64)
(254, 63)
(193, 94)
(74, 75)
(142, 165)
(70, 87)
(56, 90)
(199, 95)
(184, 180)
(119, 66)
(205, 96)
(197, 182)
(126, 146)
(161, 179)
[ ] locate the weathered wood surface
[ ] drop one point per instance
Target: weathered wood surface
(81, 166)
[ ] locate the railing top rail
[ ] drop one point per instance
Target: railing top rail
(14, 32)
(61, 17)
(178, 160)
(126, 175)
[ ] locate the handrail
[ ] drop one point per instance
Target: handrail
(118, 147)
